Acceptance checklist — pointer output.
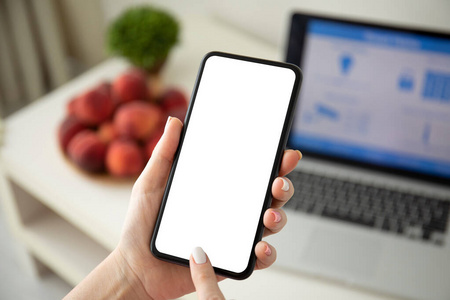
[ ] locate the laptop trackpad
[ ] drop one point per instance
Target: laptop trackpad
(343, 254)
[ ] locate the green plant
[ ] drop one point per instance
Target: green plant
(144, 35)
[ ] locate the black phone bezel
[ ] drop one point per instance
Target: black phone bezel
(275, 169)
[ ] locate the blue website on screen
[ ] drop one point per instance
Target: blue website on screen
(376, 96)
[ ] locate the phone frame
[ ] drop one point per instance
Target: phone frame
(275, 169)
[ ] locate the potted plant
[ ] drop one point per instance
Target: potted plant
(144, 35)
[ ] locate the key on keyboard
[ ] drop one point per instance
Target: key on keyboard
(412, 215)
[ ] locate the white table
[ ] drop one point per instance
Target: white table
(70, 221)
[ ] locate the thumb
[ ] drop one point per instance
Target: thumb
(148, 189)
(154, 177)
(203, 276)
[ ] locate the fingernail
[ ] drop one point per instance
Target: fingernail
(285, 186)
(167, 123)
(276, 216)
(268, 251)
(300, 155)
(199, 255)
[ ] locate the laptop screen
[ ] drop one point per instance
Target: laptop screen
(374, 95)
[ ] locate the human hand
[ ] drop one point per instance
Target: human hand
(158, 277)
(131, 268)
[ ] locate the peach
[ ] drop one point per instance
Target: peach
(87, 151)
(70, 108)
(94, 107)
(104, 87)
(67, 130)
(132, 85)
(107, 132)
(137, 119)
(124, 158)
(174, 103)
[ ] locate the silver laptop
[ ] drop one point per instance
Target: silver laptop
(372, 193)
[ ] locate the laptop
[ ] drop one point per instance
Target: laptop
(371, 203)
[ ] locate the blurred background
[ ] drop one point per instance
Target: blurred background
(46, 43)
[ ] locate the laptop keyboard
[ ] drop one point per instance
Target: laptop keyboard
(415, 216)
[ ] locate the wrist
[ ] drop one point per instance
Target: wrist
(112, 279)
(128, 284)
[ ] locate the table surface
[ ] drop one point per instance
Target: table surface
(97, 205)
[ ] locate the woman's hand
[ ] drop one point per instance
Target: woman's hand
(132, 268)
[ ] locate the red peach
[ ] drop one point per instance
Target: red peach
(93, 107)
(67, 130)
(70, 108)
(124, 158)
(162, 120)
(104, 87)
(87, 151)
(132, 85)
(137, 119)
(107, 132)
(174, 103)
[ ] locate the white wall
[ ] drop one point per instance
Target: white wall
(268, 19)
(84, 30)
(112, 8)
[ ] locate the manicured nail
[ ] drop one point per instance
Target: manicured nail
(199, 256)
(167, 123)
(285, 186)
(268, 251)
(276, 216)
(300, 155)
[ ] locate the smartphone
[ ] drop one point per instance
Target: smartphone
(230, 151)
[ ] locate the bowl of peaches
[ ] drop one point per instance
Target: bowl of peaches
(112, 128)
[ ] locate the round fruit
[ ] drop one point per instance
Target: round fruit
(124, 158)
(137, 119)
(87, 151)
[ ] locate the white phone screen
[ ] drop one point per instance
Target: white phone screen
(225, 163)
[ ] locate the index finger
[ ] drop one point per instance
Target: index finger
(289, 161)
(203, 276)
